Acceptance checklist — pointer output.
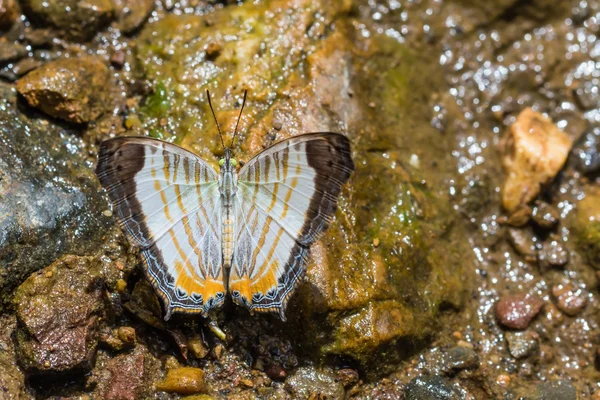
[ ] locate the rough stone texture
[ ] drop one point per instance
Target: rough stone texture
(587, 226)
(359, 299)
(307, 382)
(126, 377)
(50, 202)
(517, 311)
(533, 151)
(522, 344)
(72, 89)
(432, 387)
(569, 299)
(8, 13)
(12, 380)
(131, 14)
(58, 311)
(75, 19)
(556, 390)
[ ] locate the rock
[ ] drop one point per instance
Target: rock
(522, 344)
(517, 311)
(553, 253)
(9, 13)
(58, 311)
(522, 240)
(556, 390)
(544, 215)
(586, 151)
(458, 358)
(73, 89)
(276, 372)
(126, 377)
(11, 51)
(358, 300)
(569, 299)
(184, 380)
(533, 151)
(75, 19)
(12, 380)
(48, 195)
(347, 377)
(131, 14)
(431, 387)
(308, 382)
(198, 348)
(586, 226)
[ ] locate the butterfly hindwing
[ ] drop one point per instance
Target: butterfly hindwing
(285, 200)
(167, 202)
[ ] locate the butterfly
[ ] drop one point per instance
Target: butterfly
(244, 231)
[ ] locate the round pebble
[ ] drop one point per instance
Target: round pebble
(517, 311)
(569, 299)
(184, 380)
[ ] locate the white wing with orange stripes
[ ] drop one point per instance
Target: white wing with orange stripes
(285, 199)
(167, 202)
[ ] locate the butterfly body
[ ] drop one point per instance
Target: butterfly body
(228, 188)
(204, 234)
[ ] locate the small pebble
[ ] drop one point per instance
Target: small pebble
(184, 380)
(569, 299)
(372, 104)
(107, 213)
(126, 334)
(517, 311)
(522, 240)
(459, 358)
(522, 344)
(347, 377)
(197, 348)
(503, 380)
(118, 59)
(275, 372)
(553, 254)
(544, 215)
(121, 285)
(376, 242)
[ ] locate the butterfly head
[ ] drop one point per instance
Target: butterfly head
(228, 162)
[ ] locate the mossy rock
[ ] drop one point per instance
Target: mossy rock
(587, 226)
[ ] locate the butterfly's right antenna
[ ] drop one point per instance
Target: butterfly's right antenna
(239, 116)
(215, 117)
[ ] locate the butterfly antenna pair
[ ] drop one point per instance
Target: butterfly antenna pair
(217, 122)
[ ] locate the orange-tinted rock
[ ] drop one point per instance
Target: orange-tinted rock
(533, 151)
(185, 380)
(8, 13)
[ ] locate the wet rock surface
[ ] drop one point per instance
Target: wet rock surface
(431, 388)
(74, 90)
(75, 19)
(58, 312)
(517, 311)
(49, 200)
(400, 300)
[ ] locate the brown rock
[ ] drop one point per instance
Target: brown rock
(533, 152)
(58, 316)
(126, 377)
(69, 89)
(553, 253)
(517, 311)
(569, 299)
(75, 19)
(544, 215)
(184, 380)
(131, 14)
(8, 13)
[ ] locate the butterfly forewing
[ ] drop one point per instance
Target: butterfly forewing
(167, 201)
(285, 200)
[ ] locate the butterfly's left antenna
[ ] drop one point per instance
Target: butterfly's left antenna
(215, 117)
(239, 116)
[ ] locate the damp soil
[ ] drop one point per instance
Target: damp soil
(422, 288)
